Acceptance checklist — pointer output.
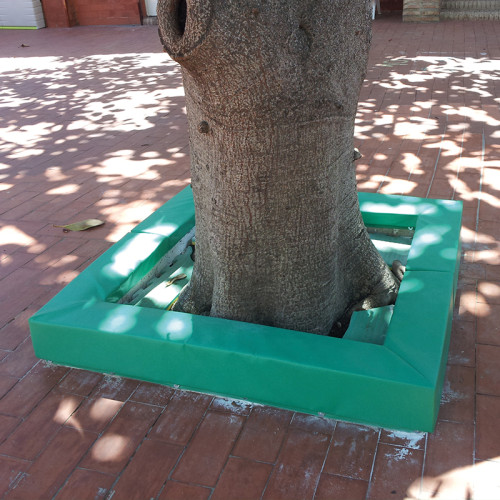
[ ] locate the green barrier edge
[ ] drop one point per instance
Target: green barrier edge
(396, 385)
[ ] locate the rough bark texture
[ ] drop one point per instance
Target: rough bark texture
(271, 94)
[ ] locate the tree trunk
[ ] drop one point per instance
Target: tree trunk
(271, 94)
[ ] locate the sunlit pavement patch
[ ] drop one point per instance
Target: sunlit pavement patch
(395, 384)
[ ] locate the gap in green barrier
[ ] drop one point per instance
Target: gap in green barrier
(162, 285)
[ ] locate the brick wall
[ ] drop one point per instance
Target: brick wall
(421, 10)
(98, 12)
(64, 13)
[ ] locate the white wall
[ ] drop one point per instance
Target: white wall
(150, 7)
(24, 13)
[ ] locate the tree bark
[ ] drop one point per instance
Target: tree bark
(271, 94)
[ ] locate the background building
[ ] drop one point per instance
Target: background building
(67, 13)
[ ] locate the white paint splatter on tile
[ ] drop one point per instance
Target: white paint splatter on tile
(230, 404)
(400, 454)
(410, 439)
(449, 395)
(101, 492)
(111, 381)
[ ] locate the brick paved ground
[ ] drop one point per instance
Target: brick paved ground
(92, 125)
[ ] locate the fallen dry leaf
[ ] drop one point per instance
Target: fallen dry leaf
(81, 225)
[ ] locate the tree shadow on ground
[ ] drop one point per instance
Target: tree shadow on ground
(83, 136)
(427, 126)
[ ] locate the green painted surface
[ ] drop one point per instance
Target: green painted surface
(394, 384)
(18, 28)
(370, 326)
(437, 224)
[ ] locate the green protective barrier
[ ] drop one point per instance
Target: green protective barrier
(395, 383)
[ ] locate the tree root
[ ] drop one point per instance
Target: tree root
(398, 269)
(341, 325)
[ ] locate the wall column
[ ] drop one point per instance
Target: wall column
(56, 13)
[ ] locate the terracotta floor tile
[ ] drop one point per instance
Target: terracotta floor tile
(441, 189)
(80, 382)
(86, 485)
(465, 304)
(116, 445)
(457, 399)
(396, 471)
(40, 426)
(488, 292)
(15, 284)
(492, 272)
(92, 248)
(11, 470)
(352, 451)
(472, 270)
(263, 434)
(449, 447)
(152, 394)
(491, 228)
(209, 449)
(242, 479)
(488, 370)
(53, 255)
(152, 463)
(234, 406)
(18, 199)
(18, 362)
(112, 387)
(487, 425)
(462, 344)
(21, 295)
(94, 414)
(312, 423)
(340, 488)
(488, 324)
(53, 466)
(488, 212)
(181, 491)
(405, 439)
(15, 332)
(7, 425)
(6, 384)
(30, 390)
(298, 468)
(181, 417)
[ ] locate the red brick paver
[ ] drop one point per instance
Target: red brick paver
(93, 126)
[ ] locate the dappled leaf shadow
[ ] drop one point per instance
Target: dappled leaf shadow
(103, 133)
(427, 126)
(93, 126)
